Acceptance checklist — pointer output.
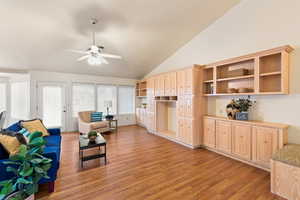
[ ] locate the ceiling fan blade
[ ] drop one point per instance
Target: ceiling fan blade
(110, 56)
(78, 51)
(105, 61)
(83, 58)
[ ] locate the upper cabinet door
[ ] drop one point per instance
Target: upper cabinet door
(189, 107)
(167, 85)
(241, 140)
(188, 88)
(180, 82)
(223, 136)
(162, 85)
(156, 86)
(265, 144)
(173, 84)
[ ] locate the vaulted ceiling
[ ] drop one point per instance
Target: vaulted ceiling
(35, 34)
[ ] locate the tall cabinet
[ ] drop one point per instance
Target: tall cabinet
(175, 105)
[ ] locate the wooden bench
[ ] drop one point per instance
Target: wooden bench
(285, 172)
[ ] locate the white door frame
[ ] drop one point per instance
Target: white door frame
(63, 86)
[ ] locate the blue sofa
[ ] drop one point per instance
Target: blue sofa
(52, 150)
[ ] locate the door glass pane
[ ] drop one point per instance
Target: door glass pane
(107, 97)
(20, 100)
(83, 98)
(3, 97)
(52, 106)
(126, 100)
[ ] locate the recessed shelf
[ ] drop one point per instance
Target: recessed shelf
(270, 74)
(209, 81)
(236, 78)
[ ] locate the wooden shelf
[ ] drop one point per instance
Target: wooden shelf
(270, 74)
(261, 73)
(236, 78)
(209, 81)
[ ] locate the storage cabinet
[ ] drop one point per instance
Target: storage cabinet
(185, 131)
(223, 136)
(209, 136)
(249, 141)
(265, 144)
(241, 140)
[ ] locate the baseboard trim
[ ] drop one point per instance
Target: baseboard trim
(174, 140)
(235, 158)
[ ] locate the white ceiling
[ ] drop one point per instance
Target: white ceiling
(34, 34)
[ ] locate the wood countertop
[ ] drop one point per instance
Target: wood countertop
(251, 122)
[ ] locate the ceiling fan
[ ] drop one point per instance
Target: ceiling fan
(94, 54)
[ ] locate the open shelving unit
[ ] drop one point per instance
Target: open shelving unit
(141, 89)
(166, 121)
(264, 72)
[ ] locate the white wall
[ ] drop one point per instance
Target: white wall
(251, 26)
(68, 79)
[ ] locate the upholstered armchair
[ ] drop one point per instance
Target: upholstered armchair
(85, 125)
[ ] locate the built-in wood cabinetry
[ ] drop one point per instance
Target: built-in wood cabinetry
(253, 142)
(175, 105)
(223, 136)
(241, 140)
(141, 116)
(209, 134)
(265, 72)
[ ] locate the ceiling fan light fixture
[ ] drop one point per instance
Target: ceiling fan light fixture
(94, 60)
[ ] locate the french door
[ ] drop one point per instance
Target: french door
(52, 107)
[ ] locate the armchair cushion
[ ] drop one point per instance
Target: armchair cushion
(97, 125)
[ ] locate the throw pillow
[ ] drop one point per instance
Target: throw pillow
(11, 141)
(35, 125)
(96, 116)
(24, 132)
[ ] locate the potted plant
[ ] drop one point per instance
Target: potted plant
(29, 167)
(92, 135)
(243, 106)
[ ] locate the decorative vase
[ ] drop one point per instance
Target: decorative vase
(242, 115)
(92, 138)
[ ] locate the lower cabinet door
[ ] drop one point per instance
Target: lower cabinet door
(209, 136)
(223, 136)
(241, 140)
(264, 144)
(185, 131)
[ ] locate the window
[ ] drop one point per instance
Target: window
(3, 96)
(126, 100)
(107, 97)
(83, 98)
(20, 100)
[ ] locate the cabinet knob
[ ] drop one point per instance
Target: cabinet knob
(266, 142)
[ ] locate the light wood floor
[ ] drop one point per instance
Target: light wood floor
(143, 166)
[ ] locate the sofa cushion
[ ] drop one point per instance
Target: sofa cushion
(101, 124)
(53, 149)
(53, 140)
(3, 153)
(35, 125)
(15, 127)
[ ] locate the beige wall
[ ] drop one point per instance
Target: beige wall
(250, 26)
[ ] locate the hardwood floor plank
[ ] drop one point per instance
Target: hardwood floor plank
(143, 166)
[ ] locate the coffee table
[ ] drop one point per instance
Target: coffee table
(84, 144)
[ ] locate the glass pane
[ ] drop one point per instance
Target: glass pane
(3, 97)
(83, 98)
(52, 106)
(107, 98)
(126, 100)
(20, 100)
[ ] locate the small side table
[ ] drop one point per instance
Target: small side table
(113, 125)
(84, 144)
